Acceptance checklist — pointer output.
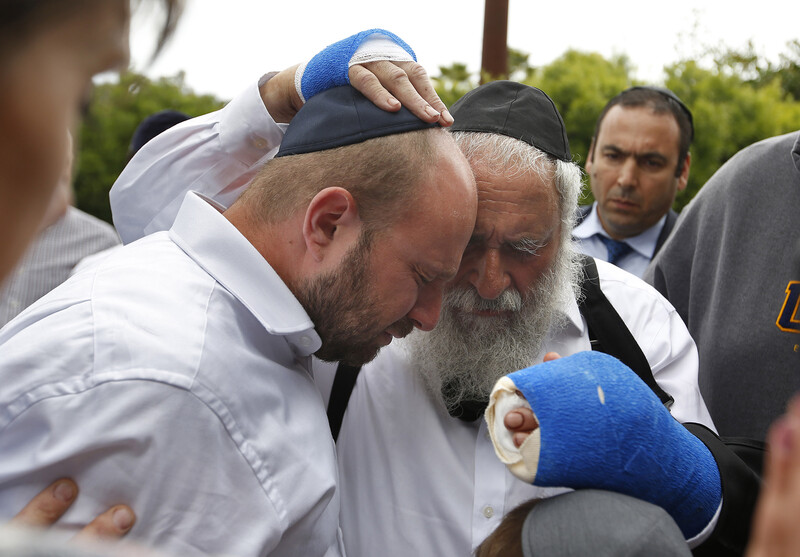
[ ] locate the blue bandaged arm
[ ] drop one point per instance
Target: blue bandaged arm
(329, 68)
(601, 427)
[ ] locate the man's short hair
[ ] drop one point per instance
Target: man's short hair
(382, 174)
(660, 101)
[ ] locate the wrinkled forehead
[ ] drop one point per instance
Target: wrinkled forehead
(517, 207)
(512, 187)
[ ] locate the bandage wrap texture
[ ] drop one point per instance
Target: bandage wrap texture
(329, 68)
(602, 427)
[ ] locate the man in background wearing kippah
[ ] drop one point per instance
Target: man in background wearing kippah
(175, 374)
(638, 160)
(419, 474)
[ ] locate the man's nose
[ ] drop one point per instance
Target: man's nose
(425, 313)
(489, 277)
(628, 173)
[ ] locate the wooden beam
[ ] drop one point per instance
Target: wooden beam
(494, 60)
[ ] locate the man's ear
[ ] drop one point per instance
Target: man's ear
(683, 178)
(589, 158)
(332, 215)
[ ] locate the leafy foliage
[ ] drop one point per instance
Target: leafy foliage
(453, 83)
(729, 113)
(742, 98)
(737, 99)
(115, 112)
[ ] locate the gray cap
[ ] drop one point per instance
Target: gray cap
(596, 523)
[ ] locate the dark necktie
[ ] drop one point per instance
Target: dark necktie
(616, 249)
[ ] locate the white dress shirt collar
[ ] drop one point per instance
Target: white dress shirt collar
(219, 248)
(644, 243)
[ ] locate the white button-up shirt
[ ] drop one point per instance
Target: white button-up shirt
(643, 246)
(174, 376)
(416, 481)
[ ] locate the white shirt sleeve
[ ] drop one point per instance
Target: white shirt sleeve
(158, 448)
(216, 154)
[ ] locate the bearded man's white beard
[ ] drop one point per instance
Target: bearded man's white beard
(464, 355)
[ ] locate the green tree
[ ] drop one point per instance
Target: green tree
(757, 71)
(580, 84)
(789, 70)
(732, 109)
(740, 98)
(116, 110)
(453, 82)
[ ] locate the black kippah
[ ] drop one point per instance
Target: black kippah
(516, 110)
(343, 116)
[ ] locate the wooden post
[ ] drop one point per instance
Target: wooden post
(494, 60)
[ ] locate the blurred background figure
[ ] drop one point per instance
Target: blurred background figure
(152, 126)
(50, 50)
(44, 43)
(147, 129)
(67, 236)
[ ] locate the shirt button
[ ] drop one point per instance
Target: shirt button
(305, 340)
(488, 511)
(260, 142)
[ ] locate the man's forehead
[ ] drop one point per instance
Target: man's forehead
(511, 185)
(638, 117)
(639, 127)
(515, 208)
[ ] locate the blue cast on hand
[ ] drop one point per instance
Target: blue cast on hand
(602, 427)
(329, 68)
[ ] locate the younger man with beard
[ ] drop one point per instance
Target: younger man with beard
(183, 384)
(416, 479)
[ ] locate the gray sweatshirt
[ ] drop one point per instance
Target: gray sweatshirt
(732, 270)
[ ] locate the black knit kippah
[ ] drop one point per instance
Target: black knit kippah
(343, 116)
(516, 110)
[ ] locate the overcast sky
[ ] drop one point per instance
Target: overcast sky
(224, 46)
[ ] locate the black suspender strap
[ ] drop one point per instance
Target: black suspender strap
(342, 388)
(608, 332)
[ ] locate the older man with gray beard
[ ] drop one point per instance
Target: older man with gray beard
(479, 339)
(418, 471)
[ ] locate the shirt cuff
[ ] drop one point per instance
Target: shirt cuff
(247, 132)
